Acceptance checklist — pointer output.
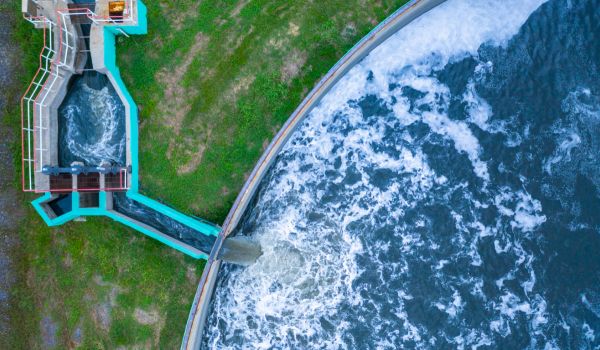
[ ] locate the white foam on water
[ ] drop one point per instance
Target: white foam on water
(576, 134)
(449, 32)
(588, 332)
(526, 212)
(510, 306)
(452, 307)
(103, 120)
(595, 309)
(569, 140)
(294, 294)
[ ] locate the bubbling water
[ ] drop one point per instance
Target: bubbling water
(92, 123)
(431, 200)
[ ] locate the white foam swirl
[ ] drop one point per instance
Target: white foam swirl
(344, 173)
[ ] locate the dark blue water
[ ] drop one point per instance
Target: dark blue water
(91, 123)
(62, 205)
(162, 223)
(445, 194)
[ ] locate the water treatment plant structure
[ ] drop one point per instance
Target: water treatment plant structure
(78, 53)
(79, 45)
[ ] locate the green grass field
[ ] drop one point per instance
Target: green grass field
(214, 81)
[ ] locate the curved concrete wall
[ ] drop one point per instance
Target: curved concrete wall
(201, 304)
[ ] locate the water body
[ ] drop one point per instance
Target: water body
(445, 194)
(162, 222)
(91, 122)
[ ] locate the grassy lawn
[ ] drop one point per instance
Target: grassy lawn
(214, 81)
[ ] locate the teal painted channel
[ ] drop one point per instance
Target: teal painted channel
(110, 62)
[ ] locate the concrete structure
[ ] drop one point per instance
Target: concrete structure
(68, 194)
(65, 54)
(201, 305)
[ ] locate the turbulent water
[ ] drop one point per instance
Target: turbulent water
(162, 222)
(445, 194)
(91, 123)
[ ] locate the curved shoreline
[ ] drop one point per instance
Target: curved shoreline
(201, 304)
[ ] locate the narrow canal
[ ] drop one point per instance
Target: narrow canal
(162, 222)
(445, 194)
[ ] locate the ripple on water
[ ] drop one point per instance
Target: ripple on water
(416, 208)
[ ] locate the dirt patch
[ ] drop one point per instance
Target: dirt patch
(195, 158)
(175, 106)
(293, 29)
(235, 40)
(178, 16)
(238, 8)
(239, 86)
(292, 65)
(76, 337)
(225, 191)
(146, 317)
(349, 31)
(150, 318)
(48, 331)
(265, 144)
(276, 44)
(68, 260)
(190, 274)
(102, 312)
(101, 315)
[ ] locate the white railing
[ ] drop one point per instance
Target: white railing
(38, 97)
(28, 103)
(36, 101)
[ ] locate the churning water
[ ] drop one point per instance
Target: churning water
(91, 122)
(445, 194)
(162, 222)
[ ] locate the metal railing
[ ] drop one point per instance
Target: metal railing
(28, 104)
(35, 104)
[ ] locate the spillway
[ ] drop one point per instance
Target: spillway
(444, 194)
